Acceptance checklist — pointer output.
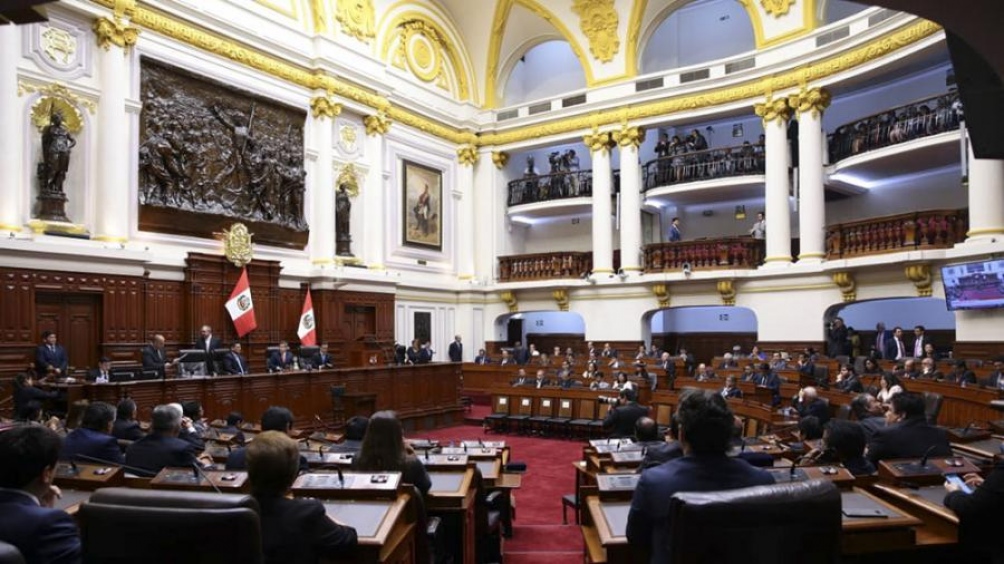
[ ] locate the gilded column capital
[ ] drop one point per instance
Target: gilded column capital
(814, 100)
(773, 109)
(597, 141)
(467, 155)
(561, 298)
(110, 32)
(629, 136)
(727, 290)
(377, 124)
(324, 107)
(500, 158)
(920, 275)
(848, 286)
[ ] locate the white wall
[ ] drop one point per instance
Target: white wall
(906, 313)
(546, 70)
(704, 320)
(560, 235)
(701, 31)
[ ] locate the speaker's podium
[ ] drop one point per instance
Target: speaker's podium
(377, 506)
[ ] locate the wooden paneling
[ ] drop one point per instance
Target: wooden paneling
(162, 312)
(704, 346)
(984, 351)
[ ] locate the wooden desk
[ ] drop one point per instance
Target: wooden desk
(836, 474)
(451, 497)
(385, 531)
(348, 485)
(187, 479)
(71, 499)
(87, 477)
(907, 471)
(940, 523)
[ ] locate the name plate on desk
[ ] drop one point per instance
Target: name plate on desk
(87, 476)
(602, 442)
(610, 449)
(315, 484)
(627, 456)
(479, 452)
(483, 444)
(836, 474)
(444, 460)
(188, 479)
(328, 458)
(617, 482)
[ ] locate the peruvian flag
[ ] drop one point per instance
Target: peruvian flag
(307, 331)
(240, 307)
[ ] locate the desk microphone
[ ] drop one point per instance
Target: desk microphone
(965, 431)
(927, 454)
(341, 477)
(135, 470)
(427, 455)
(73, 466)
(320, 451)
(200, 474)
(481, 443)
(743, 443)
(464, 445)
(229, 451)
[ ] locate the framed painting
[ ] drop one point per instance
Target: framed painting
(422, 195)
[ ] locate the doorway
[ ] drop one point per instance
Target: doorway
(76, 320)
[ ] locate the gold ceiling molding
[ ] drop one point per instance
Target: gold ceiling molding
(110, 32)
(57, 90)
(358, 19)
(920, 275)
(598, 21)
(777, 8)
(324, 107)
(629, 136)
(814, 100)
(597, 141)
(467, 154)
(320, 18)
(377, 124)
(633, 37)
(774, 109)
(500, 159)
(124, 8)
(848, 286)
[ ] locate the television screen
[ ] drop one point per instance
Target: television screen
(974, 285)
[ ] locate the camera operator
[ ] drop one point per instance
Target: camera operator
(621, 419)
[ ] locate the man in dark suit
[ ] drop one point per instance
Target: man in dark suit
(281, 360)
(234, 362)
(541, 380)
(881, 338)
(27, 518)
(656, 449)
(208, 343)
(919, 340)
(521, 379)
(907, 433)
(456, 351)
(620, 420)
(25, 392)
(154, 356)
(100, 374)
(869, 412)
(323, 358)
(836, 338)
(125, 426)
(275, 418)
(520, 354)
(768, 379)
(482, 357)
(809, 404)
(705, 428)
(50, 357)
(731, 390)
(979, 514)
(895, 349)
(93, 439)
(996, 378)
(161, 448)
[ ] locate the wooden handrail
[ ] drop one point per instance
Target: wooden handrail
(544, 266)
(710, 254)
(932, 229)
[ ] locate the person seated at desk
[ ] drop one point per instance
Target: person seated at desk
(622, 383)
(154, 356)
(848, 381)
(771, 381)
(193, 411)
(704, 373)
(846, 440)
(102, 373)
(731, 390)
(869, 412)
(749, 373)
(889, 387)
(806, 367)
(234, 362)
(26, 392)
(929, 370)
(416, 353)
(125, 427)
(728, 362)
(93, 439)
(705, 427)
(323, 359)
(50, 357)
(293, 531)
(355, 431)
(808, 403)
(275, 418)
(521, 379)
(909, 370)
(383, 450)
(482, 357)
(872, 368)
(620, 419)
(596, 382)
(28, 519)
(507, 359)
(907, 433)
(961, 374)
(777, 362)
(565, 380)
(233, 427)
(996, 378)
(541, 380)
(979, 515)
(162, 448)
(281, 360)
(656, 450)
(809, 428)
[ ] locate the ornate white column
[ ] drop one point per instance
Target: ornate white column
(810, 105)
(374, 214)
(629, 138)
(489, 212)
(12, 137)
(115, 37)
(468, 157)
(603, 245)
(775, 114)
(986, 199)
(322, 186)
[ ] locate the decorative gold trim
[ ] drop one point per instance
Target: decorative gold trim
(58, 90)
(44, 107)
(465, 277)
(986, 231)
(500, 159)
(110, 239)
(793, 288)
(597, 141)
(467, 155)
(661, 292)
(113, 32)
(322, 261)
(777, 259)
(324, 107)
(777, 8)
(14, 228)
(123, 8)
(509, 298)
(40, 226)
(237, 245)
(340, 261)
(377, 124)
(848, 286)
(773, 109)
(759, 35)
(603, 271)
(319, 16)
(407, 25)
(561, 298)
(598, 21)
(377, 266)
(811, 255)
(633, 37)
(814, 100)
(629, 136)
(358, 19)
(728, 292)
(348, 177)
(920, 275)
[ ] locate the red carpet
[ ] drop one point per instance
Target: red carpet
(538, 535)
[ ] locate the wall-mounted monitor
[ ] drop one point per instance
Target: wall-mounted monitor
(974, 285)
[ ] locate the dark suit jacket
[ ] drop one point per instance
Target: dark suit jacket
(521, 355)
(155, 452)
(456, 352)
(993, 380)
(908, 439)
(852, 384)
(298, 531)
(620, 420)
(230, 364)
(91, 443)
(659, 452)
(56, 358)
(277, 361)
(979, 515)
(482, 359)
(42, 535)
(817, 409)
(872, 424)
(92, 374)
(154, 359)
(28, 394)
(322, 360)
(238, 461)
(773, 382)
(733, 392)
(648, 518)
(214, 343)
(890, 349)
(127, 430)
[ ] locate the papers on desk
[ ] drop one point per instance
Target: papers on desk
(600, 442)
(615, 513)
(617, 482)
(483, 444)
(348, 481)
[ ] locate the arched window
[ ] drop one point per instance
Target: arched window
(546, 69)
(705, 30)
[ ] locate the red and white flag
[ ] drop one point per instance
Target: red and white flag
(307, 331)
(240, 307)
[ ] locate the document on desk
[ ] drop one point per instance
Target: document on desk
(363, 516)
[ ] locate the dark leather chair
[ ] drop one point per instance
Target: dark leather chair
(932, 406)
(791, 522)
(9, 554)
(121, 525)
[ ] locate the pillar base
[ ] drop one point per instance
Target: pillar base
(772, 263)
(811, 258)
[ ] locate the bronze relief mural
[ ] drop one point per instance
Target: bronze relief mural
(211, 154)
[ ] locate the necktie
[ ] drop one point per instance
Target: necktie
(240, 367)
(880, 341)
(918, 348)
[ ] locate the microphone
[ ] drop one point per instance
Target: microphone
(481, 443)
(200, 474)
(320, 451)
(135, 470)
(73, 466)
(742, 441)
(968, 427)
(341, 477)
(427, 454)
(464, 445)
(918, 467)
(927, 454)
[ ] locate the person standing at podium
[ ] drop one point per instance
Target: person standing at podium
(207, 343)
(293, 531)
(384, 450)
(154, 357)
(50, 357)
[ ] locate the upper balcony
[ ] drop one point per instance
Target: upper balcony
(726, 173)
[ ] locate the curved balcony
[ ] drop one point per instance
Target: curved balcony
(724, 173)
(728, 253)
(533, 189)
(544, 266)
(936, 229)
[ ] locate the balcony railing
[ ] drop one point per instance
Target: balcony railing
(936, 229)
(544, 266)
(911, 121)
(704, 165)
(532, 189)
(729, 253)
